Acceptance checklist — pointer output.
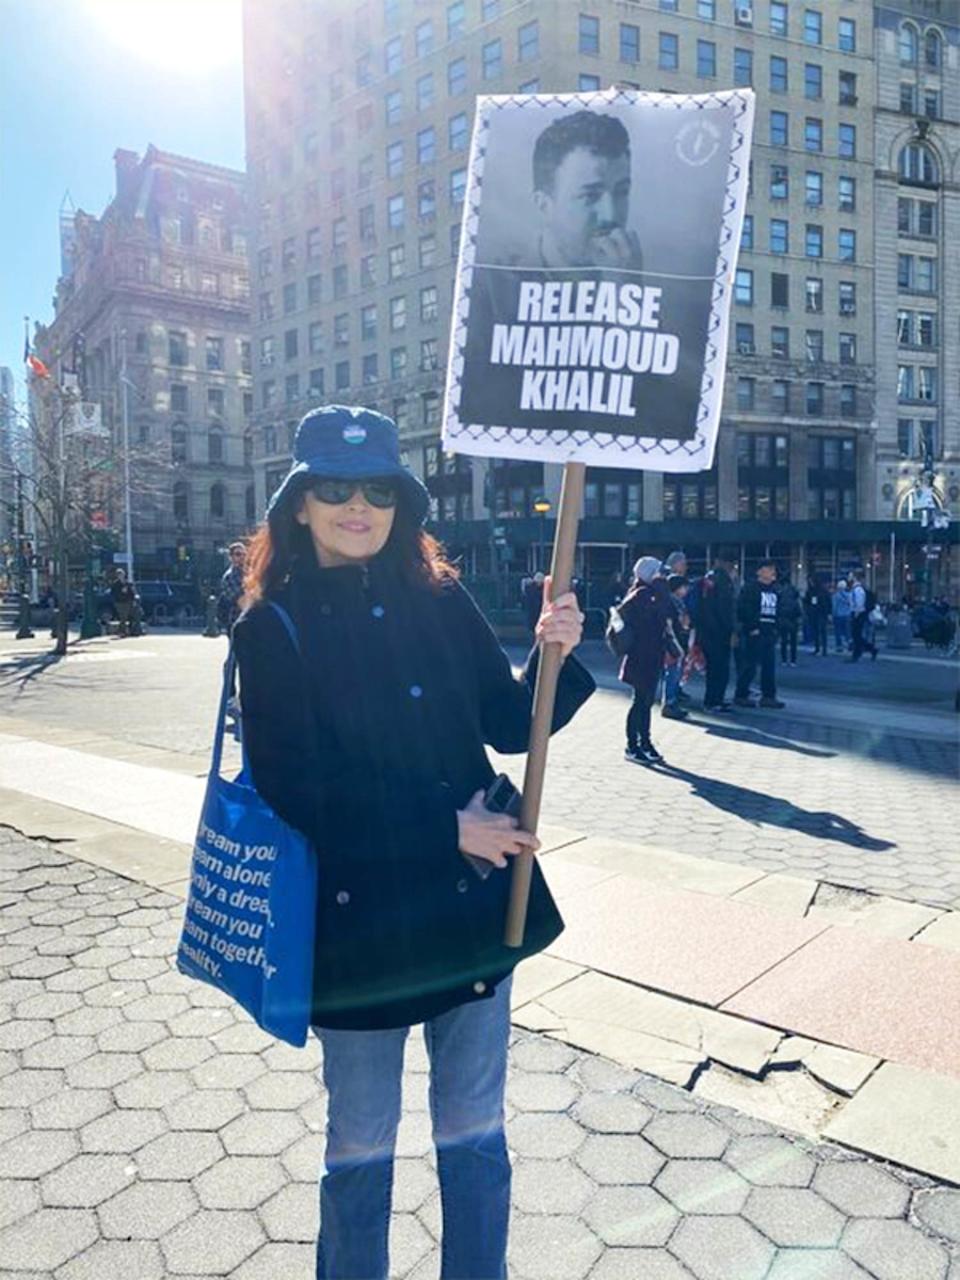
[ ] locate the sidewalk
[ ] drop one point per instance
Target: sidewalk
(149, 1130)
(718, 977)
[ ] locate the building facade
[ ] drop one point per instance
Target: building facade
(154, 308)
(358, 126)
(8, 487)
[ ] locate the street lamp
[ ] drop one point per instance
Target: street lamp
(542, 507)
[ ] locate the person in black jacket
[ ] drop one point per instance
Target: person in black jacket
(758, 608)
(714, 618)
(645, 610)
(373, 745)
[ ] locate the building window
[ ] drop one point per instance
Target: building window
(779, 182)
(932, 49)
(429, 360)
(398, 313)
(368, 271)
(814, 400)
(341, 329)
(745, 340)
(813, 241)
(427, 250)
(762, 476)
(812, 26)
(492, 59)
(181, 502)
(395, 261)
(268, 393)
(814, 346)
(669, 51)
(629, 42)
(457, 136)
(746, 393)
(341, 376)
(395, 212)
(428, 304)
(456, 76)
(395, 159)
(340, 281)
(846, 194)
(267, 354)
(779, 235)
(289, 298)
(393, 106)
(847, 35)
(368, 323)
(780, 342)
(847, 244)
(813, 80)
(178, 442)
(528, 41)
(908, 98)
(706, 59)
(316, 383)
(290, 344)
(813, 134)
(848, 400)
(216, 402)
(779, 129)
(177, 348)
(743, 286)
(424, 91)
(778, 74)
(847, 141)
(423, 38)
(707, 10)
(369, 369)
(814, 295)
(587, 83)
(746, 232)
(456, 19)
(213, 348)
(931, 104)
(398, 362)
(588, 34)
(292, 388)
(813, 189)
(742, 67)
(426, 199)
(780, 397)
(246, 359)
(916, 163)
(315, 337)
(393, 55)
(847, 89)
(458, 186)
(847, 348)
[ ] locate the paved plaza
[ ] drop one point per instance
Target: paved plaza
(738, 1061)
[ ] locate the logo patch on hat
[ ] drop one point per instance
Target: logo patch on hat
(354, 435)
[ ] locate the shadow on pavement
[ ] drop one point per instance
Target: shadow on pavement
(18, 672)
(757, 807)
(759, 738)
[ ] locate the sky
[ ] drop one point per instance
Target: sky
(80, 78)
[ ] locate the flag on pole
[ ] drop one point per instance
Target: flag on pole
(33, 363)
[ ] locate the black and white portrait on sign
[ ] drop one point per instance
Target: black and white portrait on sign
(597, 261)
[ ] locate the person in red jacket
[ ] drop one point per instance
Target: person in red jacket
(645, 610)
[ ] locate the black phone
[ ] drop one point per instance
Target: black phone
(500, 797)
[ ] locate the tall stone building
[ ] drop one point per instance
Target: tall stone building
(358, 125)
(159, 282)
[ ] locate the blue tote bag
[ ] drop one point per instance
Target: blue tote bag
(249, 923)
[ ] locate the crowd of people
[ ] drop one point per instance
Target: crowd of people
(667, 626)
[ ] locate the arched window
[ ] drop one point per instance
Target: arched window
(909, 44)
(917, 163)
(218, 501)
(932, 48)
(270, 440)
(178, 442)
(250, 505)
(181, 501)
(215, 445)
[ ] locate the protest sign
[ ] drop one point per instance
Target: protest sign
(592, 307)
(596, 272)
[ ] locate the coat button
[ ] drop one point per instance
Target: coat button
(479, 988)
(462, 886)
(416, 691)
(377, 610)
(326, 610)
(343, 898)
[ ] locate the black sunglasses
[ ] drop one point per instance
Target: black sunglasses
(379, 493)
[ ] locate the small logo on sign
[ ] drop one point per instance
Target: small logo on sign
(354, 435)
(698, 142)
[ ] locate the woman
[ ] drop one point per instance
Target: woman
(372, 744)
(645, 611)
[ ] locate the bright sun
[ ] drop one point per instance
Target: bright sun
(180, 36)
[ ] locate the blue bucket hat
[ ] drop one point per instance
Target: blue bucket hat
(340, 442)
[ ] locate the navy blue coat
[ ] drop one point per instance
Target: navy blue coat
(369, 746)
(645, 610)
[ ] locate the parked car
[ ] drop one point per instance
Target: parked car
(169, 603)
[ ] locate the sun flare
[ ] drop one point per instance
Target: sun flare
(186, 37)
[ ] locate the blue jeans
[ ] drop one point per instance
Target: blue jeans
(671, 683)
(467, 1047)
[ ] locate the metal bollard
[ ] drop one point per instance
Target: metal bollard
(213, 626)
(24, 630)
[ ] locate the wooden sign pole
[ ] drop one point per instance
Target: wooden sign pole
(561, 573)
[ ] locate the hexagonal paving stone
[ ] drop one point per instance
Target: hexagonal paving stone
(139, 968)
(631, 1216)
(24, 1088)
(548, 1248)
(549, 1186)
(640, 1264)
(894, 1250)
(31, 1155)
(265, 1134)
(815, 1264)
(114, 994)
(201, 1022)
(52, 1004)
(16, 1034)
(179, 1155)
(612, 1113)
(703, 1186)
(287, 1057)
(153, 1089)
(87, 1180)
(70, 1109)
(204, 1109)
(213, 1241)
(541, 1091)
(147, 1210)
(126, 1131)
(614, 1159)
(47, 1239)
(155, 1008)
(244, 1037)
(59, 1051)
(541, 1055)
(285, 1091)
(18, 1197)
(103, 1070)
(597, 1075)
(303, 1160)
(544, 1137)
(770, 1162)
(663, 1096)
(940, 1211)
(240, 1182)
(273, 1261)
(413, 1183)
(292, 1213)
(130, 1037)
(227, 1071)
(687, 1135)
(861, 1190)
(794, 1217)
(177, 1055)
(116, 1260)
(721, 1248)
(409, 1242)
